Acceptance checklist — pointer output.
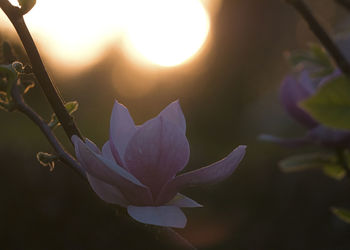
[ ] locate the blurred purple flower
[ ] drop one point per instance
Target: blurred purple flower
(138, 165)
(294, 89)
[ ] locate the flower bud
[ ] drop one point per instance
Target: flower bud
(47, 160)
(26, 5)
(17, 66)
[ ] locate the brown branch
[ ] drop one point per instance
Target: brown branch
(322, 35)
(52, 94)
(344, 3)
(63, 156)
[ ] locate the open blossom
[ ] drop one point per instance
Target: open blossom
(137, 166)
(294, 89)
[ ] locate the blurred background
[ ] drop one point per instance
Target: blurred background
(224, 61)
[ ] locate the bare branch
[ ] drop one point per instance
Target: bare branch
(52, 94)
(344, 3)
(322, 35)
(64, 156)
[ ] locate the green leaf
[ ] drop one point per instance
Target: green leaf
(334, 171)
(71, 108)
(297, 57)
(320, 55)
(316, 57)
(26, 5)
(302, 162)
(331, 103)
(341, 213)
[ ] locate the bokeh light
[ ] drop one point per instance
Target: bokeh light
(162, 32)
(166, 32)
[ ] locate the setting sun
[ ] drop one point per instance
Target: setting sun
(161, 32)
(166, 32)
(74, 32)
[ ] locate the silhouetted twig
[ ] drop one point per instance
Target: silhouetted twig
(322, 35)
(64, 156)
(15, 16)
(344, 3)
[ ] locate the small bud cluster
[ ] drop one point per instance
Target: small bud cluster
(47, 160)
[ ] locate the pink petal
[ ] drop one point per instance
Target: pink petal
(109, 172)
(92, 146)
(122, 128)
(214, 173)
(166, 216)
(173, 113)
(156, 152)
(106, 192)
(107, 152)
(329, 137)
(308, 83)
(181, 200)
(292, 92)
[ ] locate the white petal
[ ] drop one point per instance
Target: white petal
(104, 169)
(211, 174)
(107, 152)
(119, 170)
(181, 200)
(122, 128)
(106, 192)
(156, 152)
(92, 146)
(166, 216)
(173, 113)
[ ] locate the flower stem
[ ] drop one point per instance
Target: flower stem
(51, 92)
(175, 239)
(322, 35)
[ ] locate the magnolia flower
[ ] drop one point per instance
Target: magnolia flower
(137, 166)
(294, 89)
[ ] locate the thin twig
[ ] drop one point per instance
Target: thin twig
(322, 35)
(64, 156)
(15, 16)
(344, 3)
